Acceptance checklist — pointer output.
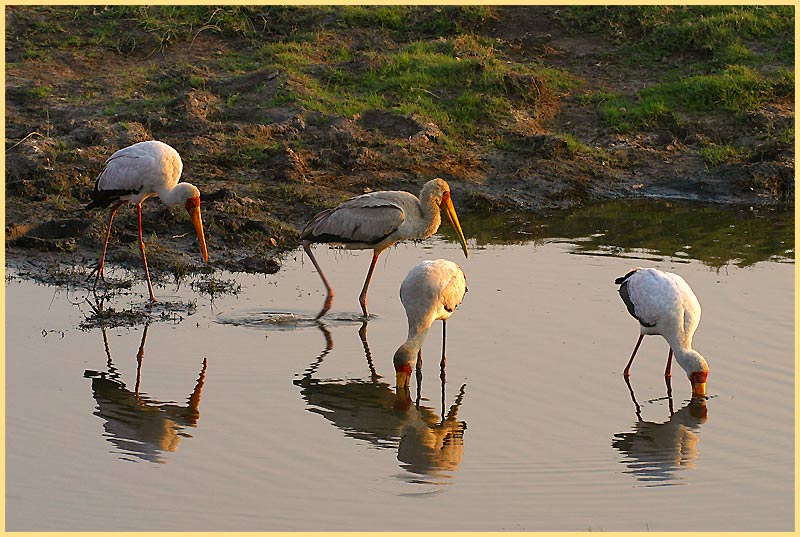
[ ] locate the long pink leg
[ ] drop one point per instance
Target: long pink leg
(627, 371)
(329, 297)
(105, 245)
(144, 256)
(668, 371)
(362, 298)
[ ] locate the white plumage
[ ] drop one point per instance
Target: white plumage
(144, 169)
(376, 221)
(430, 292)
(133, 174)
(665, 305)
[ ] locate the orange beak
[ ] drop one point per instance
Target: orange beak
(194, 214)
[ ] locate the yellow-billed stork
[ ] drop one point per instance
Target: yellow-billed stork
(430, 292)
(133, 174)
(376, 221)
(665, 305)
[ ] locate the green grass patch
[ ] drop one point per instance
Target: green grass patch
(420, 20)
(718, 33)
(40, 92)
(714, 154)
(459, 84)
(713, 58)
(737, 89)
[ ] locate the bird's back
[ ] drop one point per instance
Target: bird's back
(364, 221)
(141, 166)
(433, 288)
(655, 297)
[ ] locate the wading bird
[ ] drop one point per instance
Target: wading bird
(665, 305)
(376, 221)
(135, 173)
(430, 292)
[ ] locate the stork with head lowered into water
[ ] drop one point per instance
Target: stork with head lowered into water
(430, 292)
(376, 221)
(665, 305)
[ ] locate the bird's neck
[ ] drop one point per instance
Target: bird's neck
(690, 360)
(415, 340)
(406, 354)
(408, 351)
(431, 217)
(177, 194)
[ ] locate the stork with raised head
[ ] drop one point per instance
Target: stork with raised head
(376, 221)
(133, 174)
(430, 292)
(665, 305)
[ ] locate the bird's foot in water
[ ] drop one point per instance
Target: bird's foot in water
(325, 307)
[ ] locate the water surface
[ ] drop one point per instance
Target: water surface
(242, 413)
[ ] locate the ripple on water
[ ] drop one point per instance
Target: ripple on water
(286, 320)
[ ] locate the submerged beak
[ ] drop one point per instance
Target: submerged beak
(450, 211)
(698, 409)
(402, 400)
(194, 213)
(698, 379)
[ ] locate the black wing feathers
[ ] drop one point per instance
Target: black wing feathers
(622, 279)
(626, 297)
(104, 198)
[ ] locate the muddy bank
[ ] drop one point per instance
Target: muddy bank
(266, 165)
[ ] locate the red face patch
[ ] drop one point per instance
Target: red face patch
(699, 377)
(405, 368)
(445, 197)
(192, 203)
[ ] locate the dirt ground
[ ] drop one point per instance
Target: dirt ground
(254, 214)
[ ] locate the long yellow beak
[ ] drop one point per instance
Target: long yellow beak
(698, 389)
(450, 211)
(194, 213)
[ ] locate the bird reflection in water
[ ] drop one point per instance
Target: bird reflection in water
(373, 411)
(655, 451)
(141, 427)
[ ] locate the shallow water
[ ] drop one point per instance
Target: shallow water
(244, 414)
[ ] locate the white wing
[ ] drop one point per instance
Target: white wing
(654, 295)
(454, 289)
(141, 166)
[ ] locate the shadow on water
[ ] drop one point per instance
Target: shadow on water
(652, 451)
(371, 410)
(137, 425)
(713, 234)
